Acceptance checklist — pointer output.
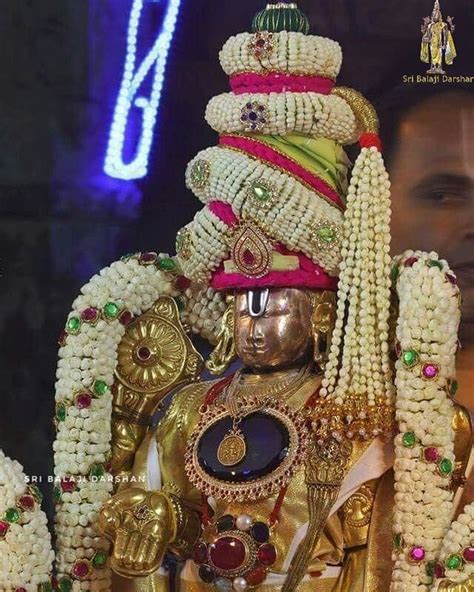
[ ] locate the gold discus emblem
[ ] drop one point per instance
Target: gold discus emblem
(232, 449)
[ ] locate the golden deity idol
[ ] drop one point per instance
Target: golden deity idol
(437, 41)
(330, 454)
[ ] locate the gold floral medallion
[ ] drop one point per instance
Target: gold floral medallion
(232, 449)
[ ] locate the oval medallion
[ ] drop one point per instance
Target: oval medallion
(232, 450)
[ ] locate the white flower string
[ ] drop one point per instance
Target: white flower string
(87, 360)
(314, 114)
(292, 52)
(425, 380)
(26, 556)
(456, 560)
(364, 291)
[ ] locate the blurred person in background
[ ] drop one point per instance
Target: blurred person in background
(429, 145)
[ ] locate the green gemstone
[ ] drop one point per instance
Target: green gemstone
(167, 264)
(280, 17)
(12, 515)
(46, 587)
(100, 388)
(453, 387)
(97, 471)
(395, 273)
(410, 358)
(111, 310)
(65, 585)
(454, 561)
(61, 412)
(56, 495)
(73, 325)
(200, 172)
(445, 467)
(180, 303)
(430, 568)
(327, 234)
(435, 263)
(409, 439)
(100, 559)
(261, 192)
(398, 541)
(36, 493)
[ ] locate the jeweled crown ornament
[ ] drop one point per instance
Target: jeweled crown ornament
(437, 41)
(281, 16)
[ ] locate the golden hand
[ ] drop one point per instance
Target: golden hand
(141, 525)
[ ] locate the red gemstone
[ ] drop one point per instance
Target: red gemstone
(468, 554)
(20, 589)
(451, 279)
(68, 485)
(267, 554)
(62, 338)
(126, 318)
(439, 571)
(248, 257)
(200, 553)
(182, 283)
(431, 454)
(256, 576)
(148, 257)
(260, 43)
(83, 400)
(227, 553)
(4, 526)
(26, 502)
(144, 353)
(410, 262)
(81, 570)
(90, 314)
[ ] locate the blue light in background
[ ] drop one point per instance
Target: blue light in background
(129, 99)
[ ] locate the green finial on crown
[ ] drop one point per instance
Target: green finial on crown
(282, 16)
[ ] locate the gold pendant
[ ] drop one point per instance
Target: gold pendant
(232, 449)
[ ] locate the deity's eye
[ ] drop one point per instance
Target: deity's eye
(257, 301)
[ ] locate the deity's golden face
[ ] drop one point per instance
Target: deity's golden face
(272, 328)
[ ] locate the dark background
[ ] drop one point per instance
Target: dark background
(62, 219)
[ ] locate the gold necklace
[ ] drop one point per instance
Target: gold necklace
(233, 448)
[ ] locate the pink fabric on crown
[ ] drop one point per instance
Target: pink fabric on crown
(309, 275)
(223, 211)
(278, 83)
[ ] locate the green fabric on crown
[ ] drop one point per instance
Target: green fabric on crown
(281, 17)
(323, 157)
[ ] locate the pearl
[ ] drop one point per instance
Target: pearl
(240, 584)
(244, 522)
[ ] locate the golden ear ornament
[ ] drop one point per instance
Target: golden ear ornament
(323, 318)
(224, 353)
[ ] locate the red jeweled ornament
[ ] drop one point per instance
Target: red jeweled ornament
(200, 553)
(227, 553)
(68, 485)
(417, 554)
(4, 528)
(439, 571)
(451, 279)
(26, 502)
(90, 315)
(267, 554)
(182, 283)
(148, 258)
(62, 338)
(468, 554)
(431, 454)
(83, 400)
(410, 262)
(81, 569)
(430, 371)
(248, 257)
(20, 589)
(256, 576)
(125, 318)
